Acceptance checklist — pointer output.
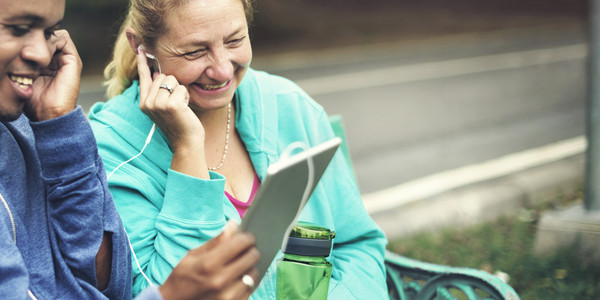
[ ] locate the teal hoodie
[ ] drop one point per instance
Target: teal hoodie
(165, 215)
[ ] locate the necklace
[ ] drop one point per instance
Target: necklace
(226, 140)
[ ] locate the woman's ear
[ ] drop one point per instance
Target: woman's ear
(133, 40)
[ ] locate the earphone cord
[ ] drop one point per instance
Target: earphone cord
(148, 139)
(134, 157)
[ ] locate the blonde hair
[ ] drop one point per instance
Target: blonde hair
(147, 18)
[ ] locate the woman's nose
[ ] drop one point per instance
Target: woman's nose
(221, 67)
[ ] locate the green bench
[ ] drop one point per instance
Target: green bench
(412, 279)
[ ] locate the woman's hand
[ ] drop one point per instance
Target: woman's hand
(56, 90)
(215, 269)
(169, 110)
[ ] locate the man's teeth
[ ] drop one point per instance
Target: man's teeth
(214, 86)
(22, 81)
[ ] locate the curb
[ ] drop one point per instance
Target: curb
(484, 201)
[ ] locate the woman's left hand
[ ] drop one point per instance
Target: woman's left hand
(166, 102)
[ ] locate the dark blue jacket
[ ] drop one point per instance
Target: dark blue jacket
(54, 208)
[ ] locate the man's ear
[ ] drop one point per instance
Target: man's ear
(133, 40)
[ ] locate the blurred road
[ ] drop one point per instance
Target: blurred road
(415, 109)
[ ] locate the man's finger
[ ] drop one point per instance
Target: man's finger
(64, 43)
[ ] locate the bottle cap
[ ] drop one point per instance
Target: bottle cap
(309, 240)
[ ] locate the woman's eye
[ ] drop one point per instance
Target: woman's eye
(236, 42)
(194, 54)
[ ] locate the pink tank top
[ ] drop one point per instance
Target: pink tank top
(240, 206)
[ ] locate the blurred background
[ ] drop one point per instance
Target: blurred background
(457, 113)
(297, 25)
(424, 82)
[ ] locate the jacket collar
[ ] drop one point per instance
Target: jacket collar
(256, 119)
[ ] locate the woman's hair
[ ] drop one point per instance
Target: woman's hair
(147, 18)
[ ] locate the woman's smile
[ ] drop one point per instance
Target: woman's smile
(210, 87)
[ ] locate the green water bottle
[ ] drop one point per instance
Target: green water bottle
(304, 272)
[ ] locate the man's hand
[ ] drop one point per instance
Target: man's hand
(55, 92)
(215, 269)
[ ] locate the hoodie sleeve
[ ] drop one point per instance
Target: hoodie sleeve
(166, 213)
(163, 228)
(80, 207)
(359, 246)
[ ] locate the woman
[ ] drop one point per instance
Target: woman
(220, 125)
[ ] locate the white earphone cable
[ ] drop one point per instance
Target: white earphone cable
(134, 157)
(148, 139)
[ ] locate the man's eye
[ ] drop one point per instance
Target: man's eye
(49, 33)
(18, 30)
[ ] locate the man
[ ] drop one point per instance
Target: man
(60, 234)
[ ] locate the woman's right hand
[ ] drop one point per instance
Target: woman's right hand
(170, 111)
(215, 269)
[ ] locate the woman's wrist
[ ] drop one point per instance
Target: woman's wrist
(190, 160)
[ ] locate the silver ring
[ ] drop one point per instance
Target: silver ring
(248, 281)
(167, 87)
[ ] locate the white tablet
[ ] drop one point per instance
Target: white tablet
(279, 200)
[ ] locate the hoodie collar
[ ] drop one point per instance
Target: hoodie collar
(256, 119)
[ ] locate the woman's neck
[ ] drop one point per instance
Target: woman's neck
(215, 121)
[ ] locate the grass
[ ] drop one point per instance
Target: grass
(506, 245)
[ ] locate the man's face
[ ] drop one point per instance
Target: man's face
(26, 27)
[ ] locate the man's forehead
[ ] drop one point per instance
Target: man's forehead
(38, 11)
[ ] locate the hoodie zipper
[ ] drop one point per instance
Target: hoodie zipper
(12, 222)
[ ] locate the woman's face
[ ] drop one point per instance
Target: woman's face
(206, 46)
